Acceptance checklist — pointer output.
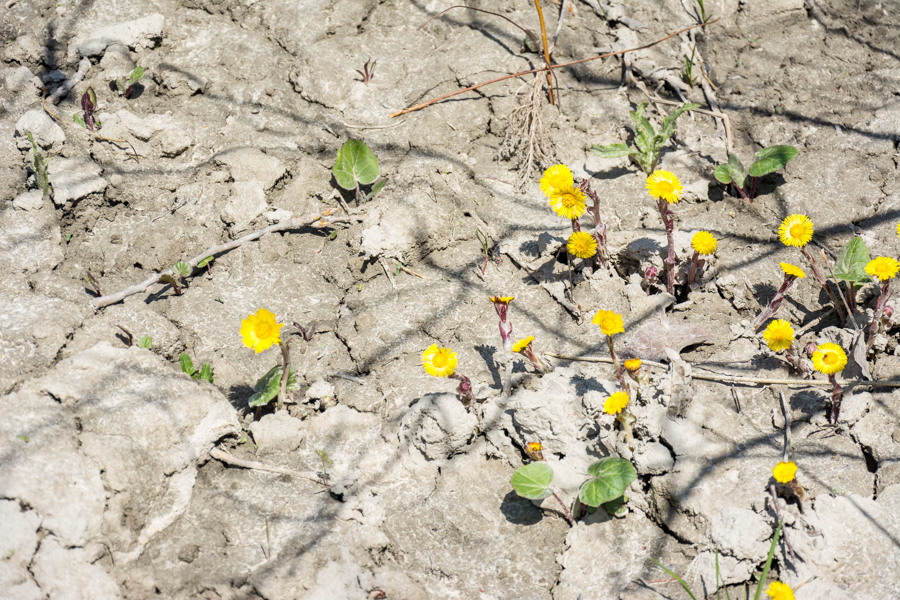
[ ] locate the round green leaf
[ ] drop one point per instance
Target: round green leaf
(533, 480)
(723, 173)
(355, 164)
(771, 159)
(611, 477)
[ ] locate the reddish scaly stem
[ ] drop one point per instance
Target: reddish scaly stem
(620, 373)
(669, 222)
(464, 389)
(775, 303)
(565, 509)
(879, 309)
(696, 263)
(837, 395)
(821, 279)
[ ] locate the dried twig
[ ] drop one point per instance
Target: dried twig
(318, 221)
(62, 91)
(226, 457)
(786, 454)
(541, 70)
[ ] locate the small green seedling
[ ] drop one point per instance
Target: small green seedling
(187, 365)
(485, 248)
(356, 166)
(68, 238)
(92, 281)
(206, 262)
(610, 477)
(180, 270)
(648, 142)
(850, 267)
(702, 11)
(88, 119)
(266, 389)
(145, 342)
(768, 160)
(326, 462)
(40, 170)
(125, 86)
(689, 67)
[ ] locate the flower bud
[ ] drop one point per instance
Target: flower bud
(811, 349)
(534, 451)
(651, 273)
(888, 311)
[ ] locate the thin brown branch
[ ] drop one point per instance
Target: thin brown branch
(542, 69)
(226, 457)
(317, 221)
(537, 5)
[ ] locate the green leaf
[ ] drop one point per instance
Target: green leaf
(145, 342)
(136, 75)
(170, 280)
(187, 365)
(77, 118)
(738, 172)
(723, 174)
(355, 164)
(668, 125)
(182, 268)
(611, 476)
(676, 578)
(376, 188)
(771, 159)
(204, 262)
(765, 571)
(206, 372)
(267, 386)
(851, 262)
(533, 480)
(612, 151)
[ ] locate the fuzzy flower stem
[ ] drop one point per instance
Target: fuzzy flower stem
(536, 362)
(506, 327)
(696, 263)
(775, 303)
(599, 232)
(879, 309)
(620, 373)
(821, 278)
(565, 509)
(794, 360)
(627, 420)
(668, 220)
(464, 390)
(837, 395)
(285, 372)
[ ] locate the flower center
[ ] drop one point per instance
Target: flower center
(440, 360)
(797, 230)
(665, 188)
(568, 200)
(830, 359)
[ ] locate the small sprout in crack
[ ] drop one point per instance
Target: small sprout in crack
(187, 366)
(41, 174)
(325, 463)
(145, 342)
(306, 332)
(689, 67)
(768, 160)
(206, 262)
(92, 281)
(129, 338)
(126, 86)
(356, 166)
(368, 71)
(88, 119)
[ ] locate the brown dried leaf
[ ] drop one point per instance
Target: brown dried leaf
(660, 332)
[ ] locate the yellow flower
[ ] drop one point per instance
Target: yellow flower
(779, 335)
(582, 245)
(704, 242)
(784, 472)
(633, 364)
(829, 359)
(260, 331)
(780, 591)
(898, 228)
(502, 299)
(439, 362)
(664, 184)
(883, 268)
(535, 451)
(615, 403)
(790, 269)
(559, 186)
(610, 323)
(522, 344)
(796, 230)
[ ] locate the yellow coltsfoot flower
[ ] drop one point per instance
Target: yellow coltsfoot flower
(260, 331)
(616, 403)
(829, 359)
(665, 185)
(582, 245)
(704, 243)
(439, 362)
(784, 472)
(883, 268)
(523, 344)
(779, 335)
(610, 322)
(632, 364)
(795, 230)
(566, 199)
(792, 271)
(780, 591)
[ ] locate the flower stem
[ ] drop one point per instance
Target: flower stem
(876, 316)
(696, 263)
(669, 223)
(464, 389)
(565, 509)
(821, 278)
(837, 395)
(620, 373)
(285, 372)
(774, 303)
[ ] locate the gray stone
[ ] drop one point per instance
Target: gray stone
(653, 459)
(251, 164)
(438, 425)
(139, 33)
(879, 433)
(30, 200)
(17, 546)
(320, 389)
(247, 201)
(21, 80)
(854, 406)
(45, 131)
(68, 573)
(174, 141)
(75, 178)
(741, 533)
(277, 433)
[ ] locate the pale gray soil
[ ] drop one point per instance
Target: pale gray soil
(107, 486)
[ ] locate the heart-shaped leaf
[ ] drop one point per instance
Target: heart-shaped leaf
(771, 159)
(851, 262)
(355, 164)
(611, 476)
(533, 481)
